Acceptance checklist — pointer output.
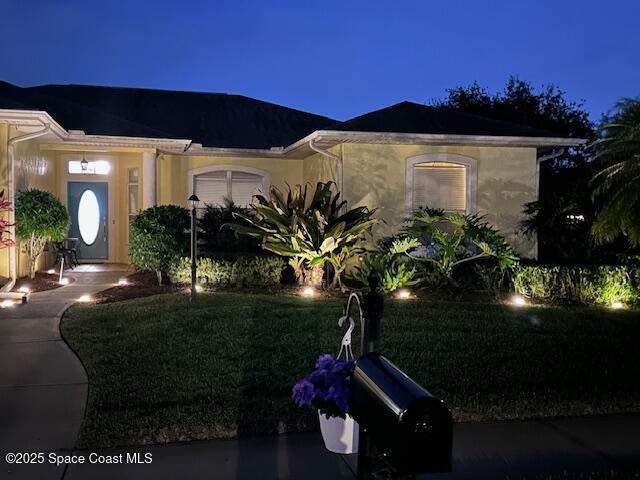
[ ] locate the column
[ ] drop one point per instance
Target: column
(148, 179)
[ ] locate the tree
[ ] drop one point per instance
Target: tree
(616, 184)
(563, 195)
(158, 237)
(40, 218)
(5, 239)
(312, 233)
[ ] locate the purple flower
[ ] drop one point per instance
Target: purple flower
(327, 387)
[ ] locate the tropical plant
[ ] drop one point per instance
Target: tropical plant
(312, 233)
(389, 263)
(158, 236)
(5, 238)
(615, 185)
(447, 240)
(216, 240)
(40, 218)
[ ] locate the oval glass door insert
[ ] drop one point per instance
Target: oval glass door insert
(88, 217)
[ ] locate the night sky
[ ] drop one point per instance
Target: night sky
(336, 58)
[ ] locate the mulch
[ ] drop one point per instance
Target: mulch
(42, 282)
(140, 284)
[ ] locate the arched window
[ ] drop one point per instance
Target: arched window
(441, 180)
(214, 184)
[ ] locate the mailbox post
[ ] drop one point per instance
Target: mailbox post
(373, 309)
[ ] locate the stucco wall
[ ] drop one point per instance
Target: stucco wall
(375, 175)
(173, 173)
(4, 137)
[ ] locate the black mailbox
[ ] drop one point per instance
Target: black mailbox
(409, 425)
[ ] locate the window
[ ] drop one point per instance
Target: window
(99, 167)
(215, 185)
(132, 192)
(441, 180)
(440, 185)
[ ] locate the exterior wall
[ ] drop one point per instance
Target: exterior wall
(173, 173)
(375, 175)
(320, 168)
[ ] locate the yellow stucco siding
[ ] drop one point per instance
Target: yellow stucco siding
(320, 168)
(375, 175)
(173, 173)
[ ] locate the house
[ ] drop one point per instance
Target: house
(108, 152)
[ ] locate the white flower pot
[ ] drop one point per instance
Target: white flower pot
(340, 435)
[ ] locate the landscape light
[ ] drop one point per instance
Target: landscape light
(617, 305)
(123, 281)
(51, 271)
(403, 294)
(199, 288)
(24, 289)
(64, 281)
(7, 304)
(85, 298)
(518, 300)
(308, 292)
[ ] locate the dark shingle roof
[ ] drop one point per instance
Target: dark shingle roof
(213, 119)
(409, 117)
(234, 121)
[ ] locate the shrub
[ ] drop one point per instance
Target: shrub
(310, 232)
(601, 285)
(242, 271)
(446, 241)
(158, 236)
(40, 218)
(215, 239)
(5, 238)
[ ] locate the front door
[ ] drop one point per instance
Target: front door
(88, 207)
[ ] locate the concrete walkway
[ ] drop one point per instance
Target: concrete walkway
(43, 385)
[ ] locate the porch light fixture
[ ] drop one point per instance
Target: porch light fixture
(193, 203)
(403, 294)
(518, 301)
(84, 165)
(308, 292)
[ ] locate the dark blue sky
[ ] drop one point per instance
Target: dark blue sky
(337, 58)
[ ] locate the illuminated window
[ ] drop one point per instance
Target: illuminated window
(214, 187)
(98, 167)
(88, 217)
(132, 191)
(440, 185)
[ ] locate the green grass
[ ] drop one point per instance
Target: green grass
(161, 370)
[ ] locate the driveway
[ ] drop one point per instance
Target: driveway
(43, 385)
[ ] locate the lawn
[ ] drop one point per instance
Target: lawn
(161, 370)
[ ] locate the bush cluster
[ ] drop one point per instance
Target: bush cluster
(600, 284)
(241, 271)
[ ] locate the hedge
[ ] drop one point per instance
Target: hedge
(601, 285)
(241, 271)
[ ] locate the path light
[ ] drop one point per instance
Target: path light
(85, 298)
(64, 281)
(24, 289)
(518, 300)
(7, 304)
(403, 294)
(193, 203)
(51, 271)
(617, 305)
(123, 281)
(308, 292)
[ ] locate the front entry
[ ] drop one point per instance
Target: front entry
(88, 207)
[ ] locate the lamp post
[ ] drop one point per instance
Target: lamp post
(193, 203)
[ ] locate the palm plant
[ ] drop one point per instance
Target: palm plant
(616, 185)
(311, 233)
